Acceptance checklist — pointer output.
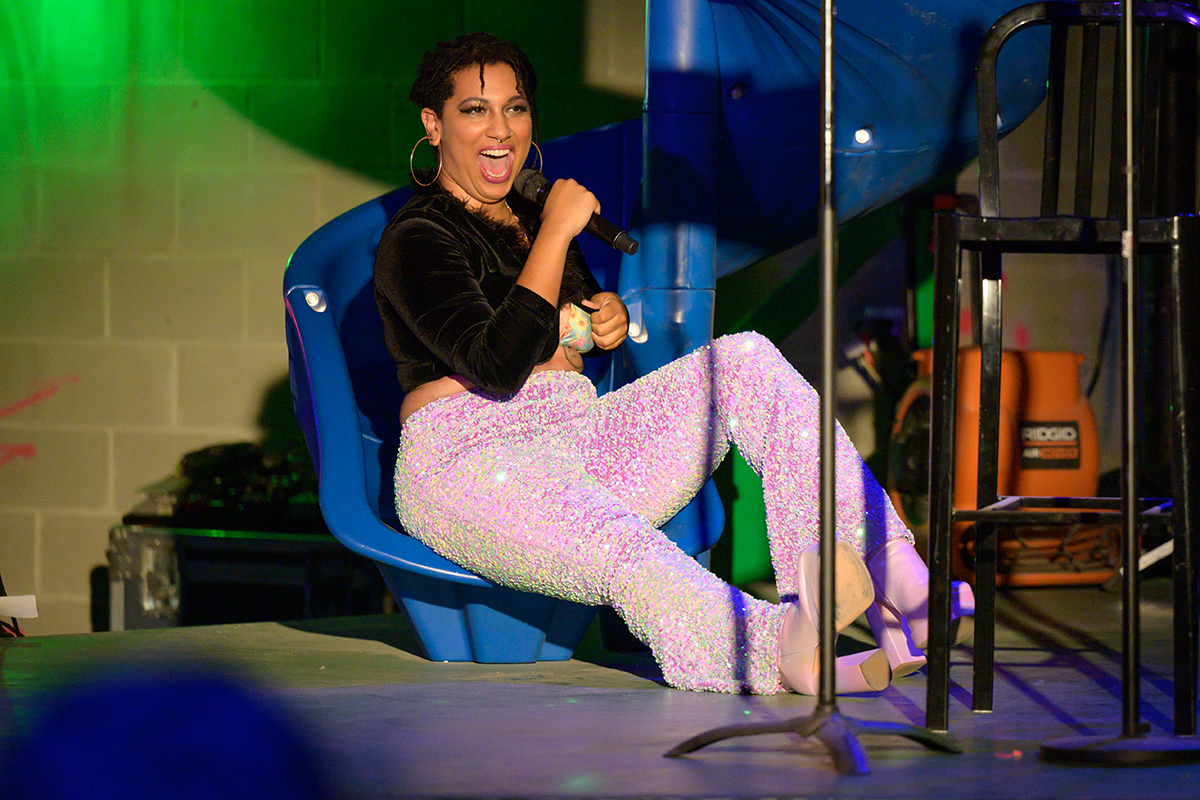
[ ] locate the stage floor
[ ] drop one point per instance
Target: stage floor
(393, 724)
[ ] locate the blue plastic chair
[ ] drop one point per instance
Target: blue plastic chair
(347, 402)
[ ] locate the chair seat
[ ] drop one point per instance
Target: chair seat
(1025, 510)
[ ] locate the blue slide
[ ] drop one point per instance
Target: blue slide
(721, 170)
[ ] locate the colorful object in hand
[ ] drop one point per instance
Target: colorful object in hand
(575, 328)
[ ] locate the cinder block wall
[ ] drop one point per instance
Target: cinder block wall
(159, 161)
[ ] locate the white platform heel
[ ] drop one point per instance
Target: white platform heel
(899, 616)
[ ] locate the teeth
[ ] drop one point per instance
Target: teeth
(495, 153)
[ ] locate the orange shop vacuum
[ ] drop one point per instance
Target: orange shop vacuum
(1048, 447)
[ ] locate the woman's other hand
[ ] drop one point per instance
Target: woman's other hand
(568, 208)
(610, 320)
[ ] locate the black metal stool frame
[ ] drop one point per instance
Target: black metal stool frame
(1175, 239)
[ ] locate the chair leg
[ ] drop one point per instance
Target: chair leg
(991, 352)
(948, 258)
(1184, 454)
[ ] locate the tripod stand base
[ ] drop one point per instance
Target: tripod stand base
(1119, 751)
(828, 726)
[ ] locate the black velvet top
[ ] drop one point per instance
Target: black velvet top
(445, 285)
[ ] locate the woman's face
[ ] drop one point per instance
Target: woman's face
(484, 132)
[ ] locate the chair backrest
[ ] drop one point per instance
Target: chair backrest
(1098, 125)
(334, 267)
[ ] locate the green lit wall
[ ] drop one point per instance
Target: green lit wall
(87, 81)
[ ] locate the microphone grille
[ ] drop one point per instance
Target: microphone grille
(529, 183)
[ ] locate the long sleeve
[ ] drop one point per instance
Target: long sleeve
(425, 277)
(575, 256)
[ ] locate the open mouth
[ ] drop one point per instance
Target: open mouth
(496, 164)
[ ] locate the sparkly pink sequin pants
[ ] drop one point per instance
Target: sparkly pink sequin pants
(559, 492)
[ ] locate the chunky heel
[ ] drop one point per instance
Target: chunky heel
(893, 637)
(868, 671)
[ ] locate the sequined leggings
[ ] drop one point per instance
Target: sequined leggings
(559, 492)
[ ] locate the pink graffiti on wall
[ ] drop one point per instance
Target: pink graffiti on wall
(26, 449)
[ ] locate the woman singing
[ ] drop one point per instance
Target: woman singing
(510, 465)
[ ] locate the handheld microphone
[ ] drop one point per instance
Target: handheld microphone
(533, 186)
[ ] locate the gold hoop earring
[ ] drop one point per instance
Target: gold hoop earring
(411, 155)
(539, 154)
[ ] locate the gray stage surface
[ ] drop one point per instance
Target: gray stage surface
(393, 724)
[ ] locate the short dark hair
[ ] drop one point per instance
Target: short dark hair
(435, 74)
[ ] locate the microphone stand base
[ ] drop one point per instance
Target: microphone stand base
(1122, 751)
(828, 726)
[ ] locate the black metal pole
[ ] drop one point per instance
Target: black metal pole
(1130, 678)
(827, 690)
